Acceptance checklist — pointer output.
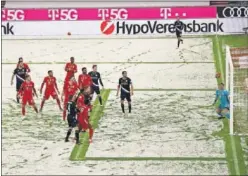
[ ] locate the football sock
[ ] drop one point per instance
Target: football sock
(23, 110)
(100, 99)
(64, 114)
(122, 107)
(129, 108)
(42, 104)
(17, 100)
(35, 109)
(77, 136)
(91, 132)
(68, 133)
(178, 43)
(58, 102)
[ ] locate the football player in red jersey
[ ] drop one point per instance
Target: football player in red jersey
(71, 69)
(69, 89)
(83, 105)
(25, 65)
(26, 91)
(51, 88)
(84, 80)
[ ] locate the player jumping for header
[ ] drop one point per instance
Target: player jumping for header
(20, 73)
(179, 27)
(26, 91)
(223, 96)
(51, 87)
(125, 84)
(96, 78)
(70, 68)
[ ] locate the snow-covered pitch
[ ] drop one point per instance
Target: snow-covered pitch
(166, 133)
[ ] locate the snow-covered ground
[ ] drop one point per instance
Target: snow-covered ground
(163, 123)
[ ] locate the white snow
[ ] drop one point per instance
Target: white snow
(163, 123)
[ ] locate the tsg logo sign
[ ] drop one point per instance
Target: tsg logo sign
(7, 29)
(233, 12)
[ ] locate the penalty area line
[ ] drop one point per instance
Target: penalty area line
(40, 63)
(155, 158)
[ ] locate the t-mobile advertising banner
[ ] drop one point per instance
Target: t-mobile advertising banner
(232, 12)
(74, 14)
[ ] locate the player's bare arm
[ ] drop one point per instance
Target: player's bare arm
(131, 86)
(62, 94)
(118, 89)
(42, 85)
(56, 87)
(34, 90)
(12, 79)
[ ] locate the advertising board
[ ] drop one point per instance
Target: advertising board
(123, 27)
(81, 14)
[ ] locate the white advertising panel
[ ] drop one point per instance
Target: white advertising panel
(131, 28)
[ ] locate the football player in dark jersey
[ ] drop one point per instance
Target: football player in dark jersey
(71, 116)
(96, 78)
(126, 86)
(178, 28)
(20, 73)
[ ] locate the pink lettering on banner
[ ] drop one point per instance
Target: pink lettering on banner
(108, 14)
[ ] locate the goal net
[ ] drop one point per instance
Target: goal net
(237, 84)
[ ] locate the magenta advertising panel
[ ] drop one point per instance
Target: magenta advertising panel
(80, 14)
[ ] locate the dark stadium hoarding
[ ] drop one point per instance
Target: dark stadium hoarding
(232, 12)
(229, 3)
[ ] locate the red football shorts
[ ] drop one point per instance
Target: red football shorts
(83, 121)
(51, 93)
(28, 100)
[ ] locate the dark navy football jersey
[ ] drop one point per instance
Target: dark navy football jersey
(20, 74)
(95, 76)
(125, 84)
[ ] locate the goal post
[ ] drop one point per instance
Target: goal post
(229, 84)
(236, 84)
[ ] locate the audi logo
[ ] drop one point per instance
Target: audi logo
(235, 12)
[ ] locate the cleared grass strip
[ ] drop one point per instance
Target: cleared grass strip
(234, 152)
(156, 158)
(35, 63)
(79, 151)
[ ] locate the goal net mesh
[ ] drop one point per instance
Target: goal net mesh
(237, 83)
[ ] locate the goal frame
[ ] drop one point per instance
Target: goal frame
(229, 85)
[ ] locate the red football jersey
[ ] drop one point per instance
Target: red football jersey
(80, 101)
(50, 82)
(84, 80)
(84, 109)
(27, 89)
(71, 69)
(70, 87)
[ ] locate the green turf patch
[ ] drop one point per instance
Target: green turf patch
(234, 152)
(155, 158)
(79, 151)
